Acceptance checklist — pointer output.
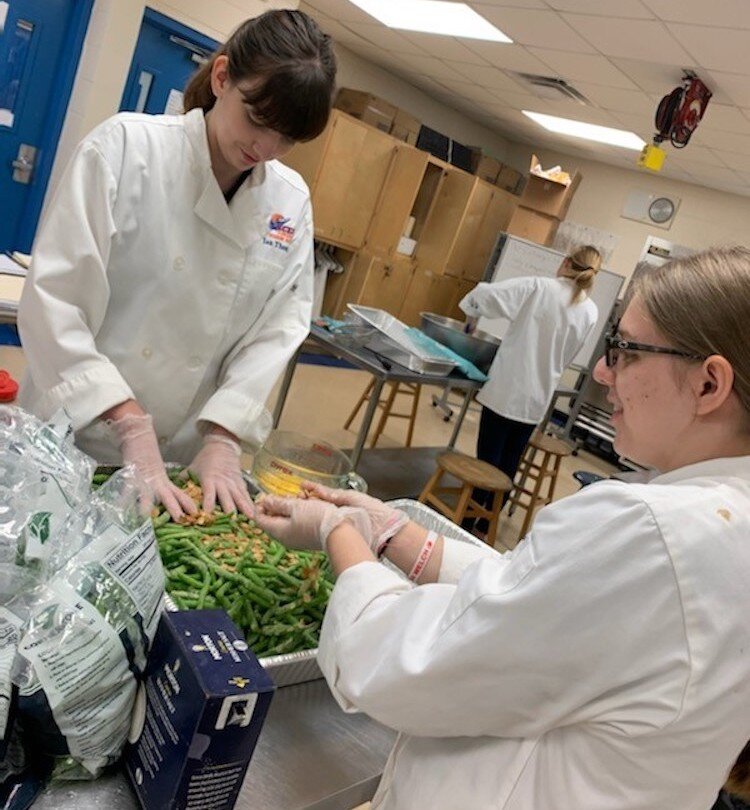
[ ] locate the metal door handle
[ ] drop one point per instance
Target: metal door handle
(23, 164)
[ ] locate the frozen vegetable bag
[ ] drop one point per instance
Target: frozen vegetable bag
(84, 631)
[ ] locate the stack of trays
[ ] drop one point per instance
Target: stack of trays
(391, 339)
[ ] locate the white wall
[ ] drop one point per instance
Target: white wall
(705, 217)
(360, 74)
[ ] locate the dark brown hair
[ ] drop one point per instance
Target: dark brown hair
(294, 63)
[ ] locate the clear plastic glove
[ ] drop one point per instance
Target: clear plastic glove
(385, 521)
(304, 523)
(140, 448)
(217, 466)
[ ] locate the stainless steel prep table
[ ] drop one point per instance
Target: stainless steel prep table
(311, 755)
(367, 361)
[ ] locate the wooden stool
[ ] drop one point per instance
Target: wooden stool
(472, 473)
(530, 471)
(404, 388)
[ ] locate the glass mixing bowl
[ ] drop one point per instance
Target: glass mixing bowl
(286, 459)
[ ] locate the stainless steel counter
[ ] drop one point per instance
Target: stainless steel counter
(310, 756)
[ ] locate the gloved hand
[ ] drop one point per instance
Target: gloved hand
(385, 521)
(217, 466)
(140, 448)
(306, 523)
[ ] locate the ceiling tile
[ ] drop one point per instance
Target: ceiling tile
(693, 153)
(726, 49)
(510, 57)
(725, 141)
(716, 174)
(444, 47)
(545, 29)
(586, 66)
(724, 117)
(726, 13)
(732, 85)
(734, 160)
(631, 39)
(475, 4)
(615, 98)
(484, 75)
(650, 76)
(634, 123)
(605, 8)
(383, 37)
(341, 10)
(426, 65)
(516, 101)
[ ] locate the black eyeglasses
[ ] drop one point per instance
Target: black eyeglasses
(614, 344)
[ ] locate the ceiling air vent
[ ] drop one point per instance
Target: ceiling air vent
(550, 87)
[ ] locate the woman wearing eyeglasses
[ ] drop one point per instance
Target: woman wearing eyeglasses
(550, 319)
(604, 664)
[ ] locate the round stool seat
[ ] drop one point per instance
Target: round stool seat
(550, 444)
(478, 473)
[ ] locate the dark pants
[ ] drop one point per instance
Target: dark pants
(501, 442)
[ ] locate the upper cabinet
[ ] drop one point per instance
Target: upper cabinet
(345, 168)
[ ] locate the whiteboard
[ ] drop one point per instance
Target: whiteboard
(518, 257)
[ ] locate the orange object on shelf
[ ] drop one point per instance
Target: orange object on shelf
(8, 387)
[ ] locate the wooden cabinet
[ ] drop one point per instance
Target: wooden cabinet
(495, 219)
(374, 282)
(345, 168)
(466, 218)
(447, 211)
(464, 250)
(397, 200)
(427, 292)
(365, 187)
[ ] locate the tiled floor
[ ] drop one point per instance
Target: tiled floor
(321, 398)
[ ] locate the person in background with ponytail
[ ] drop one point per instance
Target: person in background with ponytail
(172, 277)
(550, 319)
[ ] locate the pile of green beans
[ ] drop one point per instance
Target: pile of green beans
(276, 596)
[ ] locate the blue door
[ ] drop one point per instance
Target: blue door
(40, 44)
(166, 56)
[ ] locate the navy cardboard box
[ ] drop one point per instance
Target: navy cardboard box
(198, 714)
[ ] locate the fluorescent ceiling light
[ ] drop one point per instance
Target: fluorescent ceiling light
(590, 132)
(432, 17)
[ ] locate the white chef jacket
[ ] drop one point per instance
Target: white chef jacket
(544, 336)
(146, 284)
(602, 665)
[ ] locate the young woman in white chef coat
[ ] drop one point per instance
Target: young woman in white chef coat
(604, 664)
(550, 319)
(172, 277)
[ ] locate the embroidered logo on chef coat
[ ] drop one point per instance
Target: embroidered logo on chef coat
(279, 234)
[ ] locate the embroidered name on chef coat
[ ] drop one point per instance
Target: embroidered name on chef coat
(279, 234)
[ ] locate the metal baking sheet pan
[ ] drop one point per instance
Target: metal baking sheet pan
(392, 340)
(299, 667)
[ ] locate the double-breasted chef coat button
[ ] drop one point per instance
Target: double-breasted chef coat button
(162, 440)
(224, 277)
(179, 263)
(194, 363)
(147, 352)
